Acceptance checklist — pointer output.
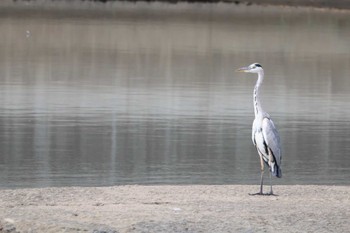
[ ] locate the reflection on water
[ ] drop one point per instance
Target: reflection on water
(147, 94)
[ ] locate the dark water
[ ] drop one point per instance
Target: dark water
(147, 94)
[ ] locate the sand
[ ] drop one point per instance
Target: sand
(198, 208)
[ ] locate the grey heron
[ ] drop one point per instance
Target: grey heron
(264, 133)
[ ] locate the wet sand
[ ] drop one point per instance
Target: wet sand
(207, 208)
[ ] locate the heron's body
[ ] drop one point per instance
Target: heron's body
(264, 133)
(266, 140)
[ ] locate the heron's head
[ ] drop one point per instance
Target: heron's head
(253, 68)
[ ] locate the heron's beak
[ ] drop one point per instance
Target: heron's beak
(243, 69)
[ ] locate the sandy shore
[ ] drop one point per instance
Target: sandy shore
(226, 208)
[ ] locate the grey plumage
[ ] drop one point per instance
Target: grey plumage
(264, 133)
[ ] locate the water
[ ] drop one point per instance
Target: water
(147, 94)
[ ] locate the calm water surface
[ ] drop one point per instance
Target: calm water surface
(147, 94)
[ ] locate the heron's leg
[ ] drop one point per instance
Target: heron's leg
(271, 192)
(271, 159)
(261, 176)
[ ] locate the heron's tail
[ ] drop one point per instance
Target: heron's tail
(277, 171)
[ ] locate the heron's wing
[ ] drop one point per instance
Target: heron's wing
(272, 139)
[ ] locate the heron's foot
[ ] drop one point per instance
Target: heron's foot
(263, 194)
(271, 194)
(256, 194)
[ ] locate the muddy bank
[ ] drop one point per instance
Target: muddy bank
(226, 208)
(335, 4)
(338, 4)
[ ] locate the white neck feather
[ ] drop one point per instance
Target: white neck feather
(256, 98)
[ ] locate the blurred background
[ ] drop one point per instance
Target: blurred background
(96, 94)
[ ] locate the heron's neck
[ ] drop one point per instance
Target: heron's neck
(256, 99)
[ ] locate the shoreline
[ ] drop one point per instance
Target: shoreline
(167, 208)
(81, 4)
(323, 4)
